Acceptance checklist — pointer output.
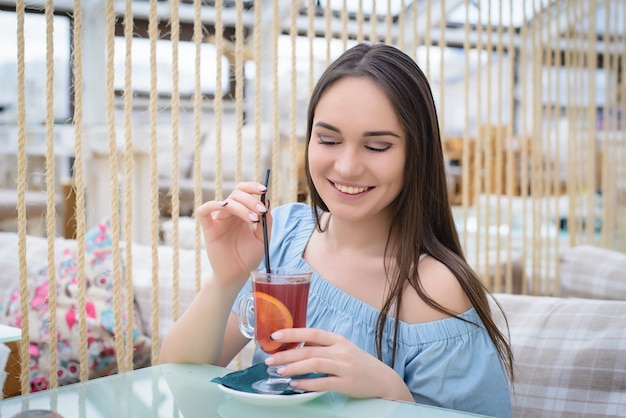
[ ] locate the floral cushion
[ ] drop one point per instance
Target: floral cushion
(99, 313)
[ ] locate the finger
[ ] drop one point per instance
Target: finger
(316, 384)
(323, 366)
(251, 187)
(205, 211)
(255, 208)
(298, 355)
(310, 336)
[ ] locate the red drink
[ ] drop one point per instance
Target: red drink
(279, 303)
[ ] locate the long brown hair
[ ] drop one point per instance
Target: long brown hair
(422, 222)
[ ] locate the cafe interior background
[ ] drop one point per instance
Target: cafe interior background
(135, 112)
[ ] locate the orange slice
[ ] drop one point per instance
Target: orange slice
(271, 315)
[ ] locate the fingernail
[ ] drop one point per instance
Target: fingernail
(253, 217)
(224, 203)
(293, 383)
(261, 208)
(269, 361)
(261, 188)
(280, 370)
(276, 335)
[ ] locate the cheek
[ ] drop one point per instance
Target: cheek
(319, 164)
(318, 160)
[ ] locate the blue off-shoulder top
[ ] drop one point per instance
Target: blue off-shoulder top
(448, 363)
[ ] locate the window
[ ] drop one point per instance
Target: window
(35, 68)
(186, 67)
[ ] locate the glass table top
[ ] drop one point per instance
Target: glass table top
(175, 390)
(9, 334)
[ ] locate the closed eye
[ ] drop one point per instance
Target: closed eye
(326, 140)
(378, 148)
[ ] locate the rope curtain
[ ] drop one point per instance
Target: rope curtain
(534, 129)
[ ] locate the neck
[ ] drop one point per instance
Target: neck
(368, 236)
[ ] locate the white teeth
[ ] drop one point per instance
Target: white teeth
(350, 190)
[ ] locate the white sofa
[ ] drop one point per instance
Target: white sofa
(37, 253)
(570, 352)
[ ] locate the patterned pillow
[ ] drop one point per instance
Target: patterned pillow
(98, 310)
(588, 271)
(569, 354)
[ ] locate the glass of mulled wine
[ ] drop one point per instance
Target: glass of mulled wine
(278, 300)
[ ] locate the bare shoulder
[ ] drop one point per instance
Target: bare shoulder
(439, 284)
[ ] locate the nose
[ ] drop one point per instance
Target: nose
(348, 163)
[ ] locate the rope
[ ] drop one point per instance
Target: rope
(510, 172)
(239, 81)
(620, 182)
(427, 41)
(239, 100)
(197, 136)
(175, 200)
(389, 23)
(547, 159)
(536, 155)
(311, 37)
(258, 57)
(465, 156)
(402, 26)
(217, 100)
(275, 101)
(592, 65)
(120, 349)
(499, 151)
(153, 35)
(327, 33)
(373, 21)
(79, 182)
(524, 152)
(293, 111)
(607, 209)
(51, 195)
(344, 22)
(359, 23)
(489, 137)
(442, 78)
(128, 177)
(416, 40)
(21, 201)
(557, 154)
(478, 151)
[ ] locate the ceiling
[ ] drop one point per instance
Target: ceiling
(429, 14)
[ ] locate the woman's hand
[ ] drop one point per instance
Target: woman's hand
(351, 371)
(232, 232)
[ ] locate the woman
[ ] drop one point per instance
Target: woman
(394, 309)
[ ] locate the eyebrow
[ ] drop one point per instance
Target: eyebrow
(367, 133)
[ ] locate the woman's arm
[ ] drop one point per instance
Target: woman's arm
(207, 332)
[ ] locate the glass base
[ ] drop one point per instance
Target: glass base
(273, 386)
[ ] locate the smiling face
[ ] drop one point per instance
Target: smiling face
(357, 150)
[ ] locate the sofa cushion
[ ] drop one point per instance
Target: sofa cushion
(570, 355)
(99, 313)
(588, 271)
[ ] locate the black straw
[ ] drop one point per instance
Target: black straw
(264, 224)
